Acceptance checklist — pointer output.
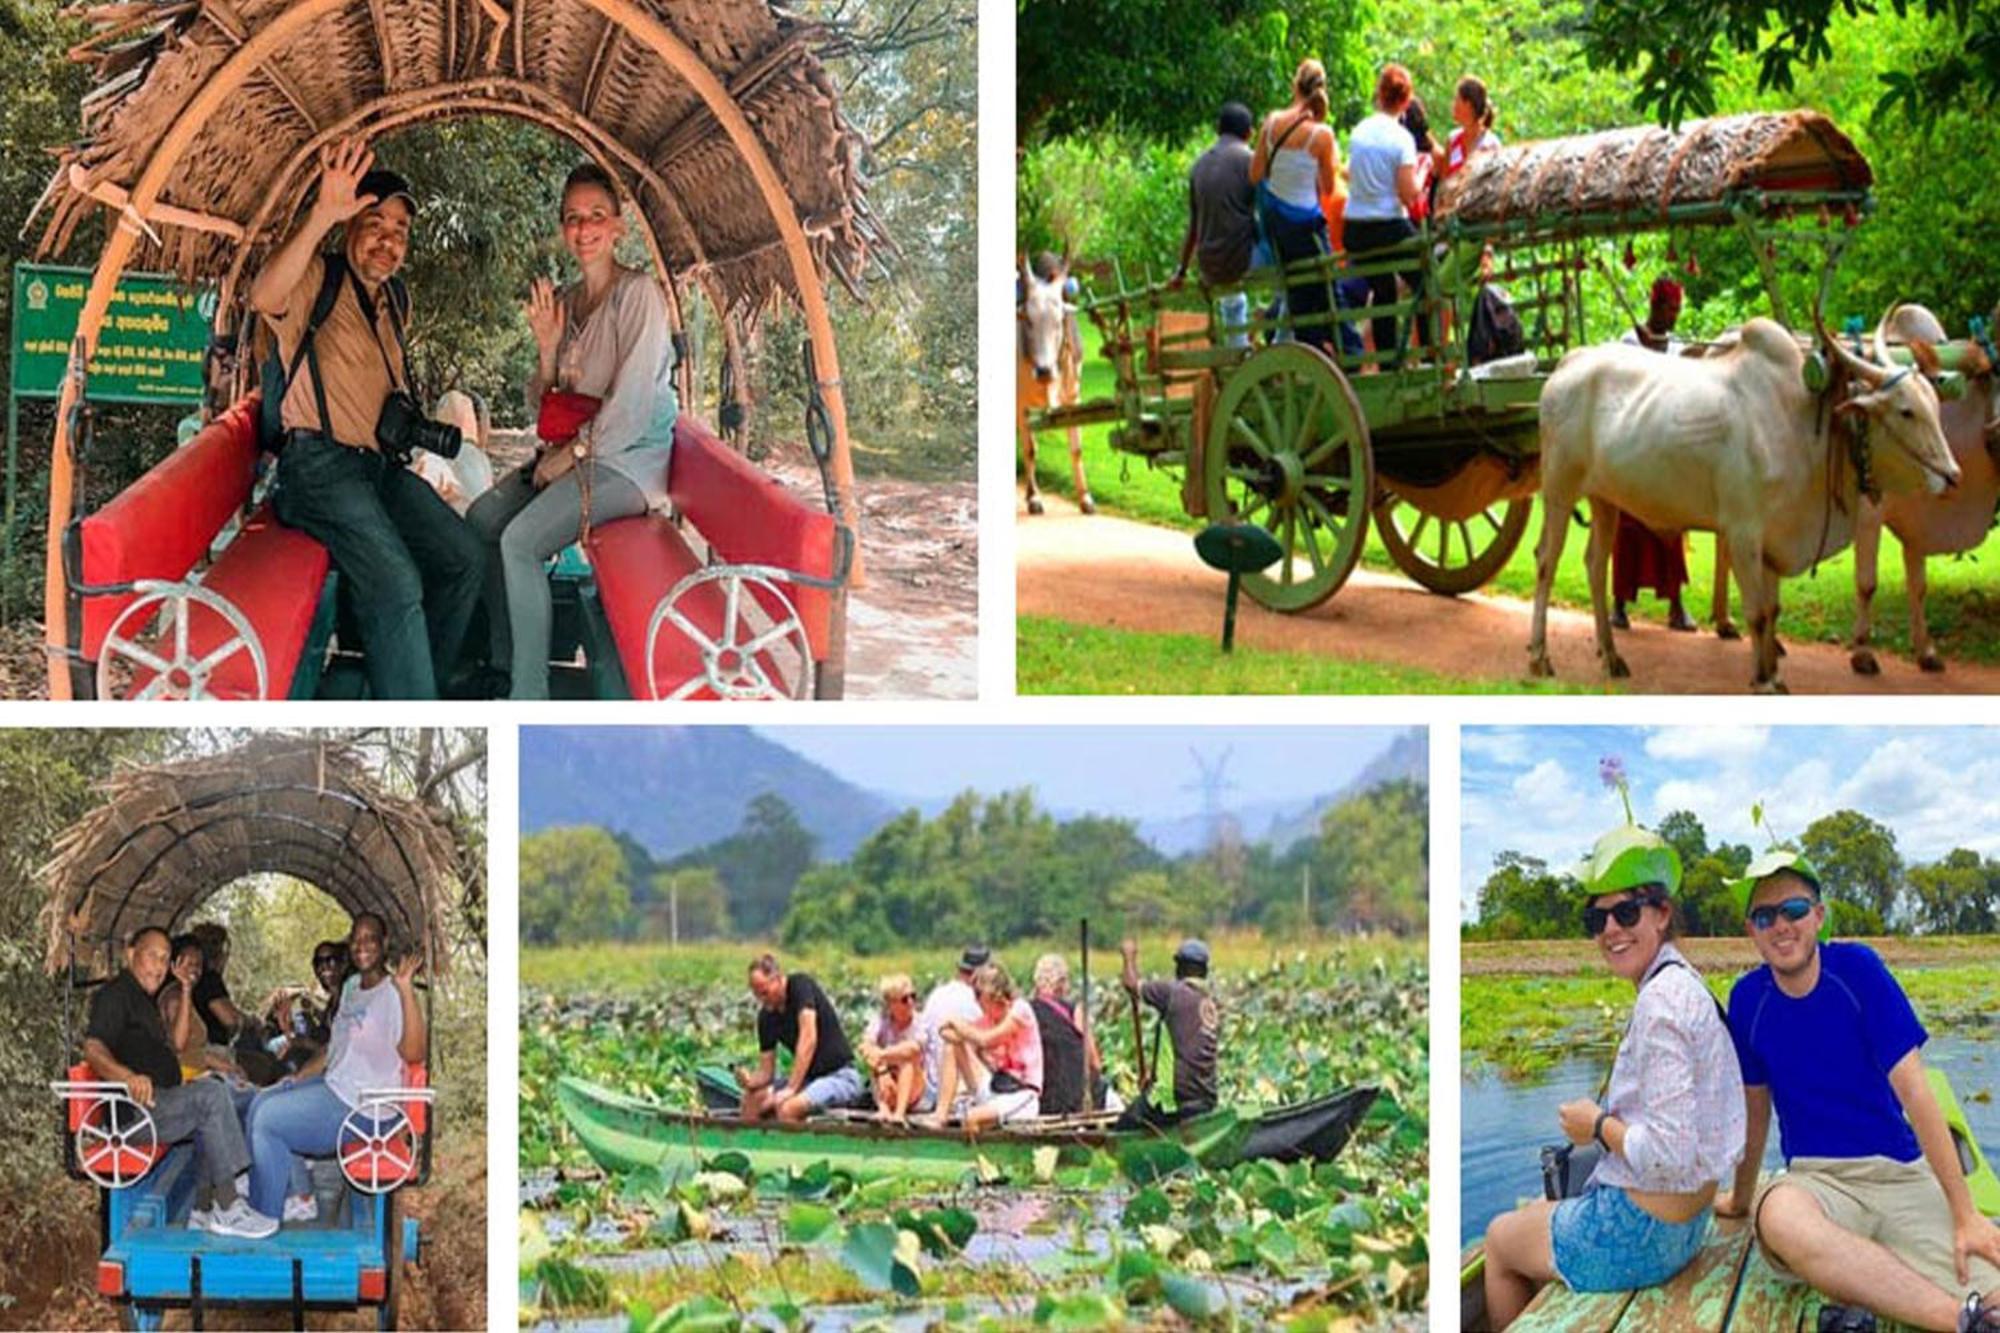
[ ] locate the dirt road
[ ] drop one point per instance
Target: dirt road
(1123, 575)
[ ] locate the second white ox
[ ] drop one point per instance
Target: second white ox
(1734, 444)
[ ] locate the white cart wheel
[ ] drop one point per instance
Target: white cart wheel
(730, 662)
(181, 676)
(116, 1140)
(377, 1147)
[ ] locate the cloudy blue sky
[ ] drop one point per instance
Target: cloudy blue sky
(1536, 789)
(1139, 772)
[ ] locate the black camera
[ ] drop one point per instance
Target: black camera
(403, 428)
(1845, 1319)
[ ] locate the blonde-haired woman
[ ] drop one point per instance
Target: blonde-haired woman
(1008, 1042)
(901, 1053)
(1296, 165)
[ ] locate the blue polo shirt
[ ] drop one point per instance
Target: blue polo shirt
(1826, 1057)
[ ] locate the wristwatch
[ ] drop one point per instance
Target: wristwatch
(579, 450)
(1597, 1130)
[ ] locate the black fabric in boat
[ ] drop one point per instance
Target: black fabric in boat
(1314, 1130)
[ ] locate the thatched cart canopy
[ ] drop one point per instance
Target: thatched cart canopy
(168, 836)
(316, 70)
(1650, 176)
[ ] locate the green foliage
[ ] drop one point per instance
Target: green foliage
(1150, 66)
(1681, 50)
(760, 863)
(1960, 894)
(1375, 852)
(574, 886)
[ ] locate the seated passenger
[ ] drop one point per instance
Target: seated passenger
(462, 479)
(1007, 1042)
(379, 1030)
(603, 393)
(902, 1053)
(796, 1014)
(220, 1017)
(126, 1042)
(1072, 1070)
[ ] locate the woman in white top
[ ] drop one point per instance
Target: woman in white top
(1298, 165)
(377, 1031)
(1672, 1122)
(1381, 188)
(605, 336)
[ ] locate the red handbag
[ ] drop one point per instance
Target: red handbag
(563, 414)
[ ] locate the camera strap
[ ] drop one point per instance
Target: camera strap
(335, 268)
(367, 304)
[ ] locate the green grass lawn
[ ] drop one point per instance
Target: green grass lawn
(1059, 657)
(1963, 603)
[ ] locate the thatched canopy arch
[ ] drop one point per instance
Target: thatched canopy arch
(169, 836)
(715, 116)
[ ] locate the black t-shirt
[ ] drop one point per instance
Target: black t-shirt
(209, 988)
(780, 1027)
(1063, 1058)
(1222, 199)
(128, 1022)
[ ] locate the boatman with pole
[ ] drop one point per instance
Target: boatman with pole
(1193, 1023)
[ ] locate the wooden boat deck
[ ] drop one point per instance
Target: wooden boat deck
(1729, 1288)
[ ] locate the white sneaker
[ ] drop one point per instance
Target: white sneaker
(302, 1208)
(198, 1219)
(240, 1219)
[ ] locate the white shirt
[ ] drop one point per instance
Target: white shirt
(1378, 148)
(361, 1052)
(921, 1031)
(1676, 1086)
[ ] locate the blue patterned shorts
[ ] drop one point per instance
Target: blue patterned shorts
(1602, 1241)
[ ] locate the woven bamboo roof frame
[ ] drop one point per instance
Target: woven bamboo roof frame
(1648, 175)
(168, 836)
(714, 116)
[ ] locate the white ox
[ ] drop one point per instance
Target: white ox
(1932, 525)
(1735, 444)
(1048, 372)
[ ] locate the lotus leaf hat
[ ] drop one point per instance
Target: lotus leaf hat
(1770, 863)
(1626, 858)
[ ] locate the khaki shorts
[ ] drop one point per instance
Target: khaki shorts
(1899, 1205)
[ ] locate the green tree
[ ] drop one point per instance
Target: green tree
(1375, 849)
(1522, 900)
(574, 887)
(691, 901)
(1679, 50)
(1856, 858)
(760, 862)
(1957, 895)
(1683, 830)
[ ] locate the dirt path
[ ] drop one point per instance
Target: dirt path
(1118, 574)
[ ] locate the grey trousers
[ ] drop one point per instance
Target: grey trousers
(522, 528)
(204, 1110)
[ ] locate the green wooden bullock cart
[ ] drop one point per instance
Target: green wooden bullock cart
(1442, 455)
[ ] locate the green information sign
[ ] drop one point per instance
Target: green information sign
(149, 349)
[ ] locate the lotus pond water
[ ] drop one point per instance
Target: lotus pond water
(1108, 1243)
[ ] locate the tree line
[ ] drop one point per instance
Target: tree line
(995, 868)
(1872, 888)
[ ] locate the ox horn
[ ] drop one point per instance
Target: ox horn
(1881, 342)
(1860, 367)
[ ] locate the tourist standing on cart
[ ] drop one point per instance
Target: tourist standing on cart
(1222, 221)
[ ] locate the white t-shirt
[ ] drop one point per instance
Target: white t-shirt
(920, 1030)
(361, 1052)
(1378, 148)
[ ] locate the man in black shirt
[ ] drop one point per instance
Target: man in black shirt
(796, 1014)
(1222, 226)
(126, 1042)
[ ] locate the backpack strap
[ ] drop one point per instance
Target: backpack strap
(334, 266)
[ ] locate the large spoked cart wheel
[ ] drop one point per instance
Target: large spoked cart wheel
(113, 1141)
(1288, 450)
(380, 1143)
(757, 647)
(1451, 554)
(168, 664)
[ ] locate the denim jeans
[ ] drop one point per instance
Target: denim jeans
(521, 528)
(285, 1124)
(413, 566)
(1233, 311)
(201, 1109)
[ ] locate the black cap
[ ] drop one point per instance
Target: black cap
(974, 957)
(386, 185)
(1192, 951)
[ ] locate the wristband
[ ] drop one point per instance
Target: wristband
(1597, 1130)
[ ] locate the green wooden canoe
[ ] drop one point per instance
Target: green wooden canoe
(625, 1133)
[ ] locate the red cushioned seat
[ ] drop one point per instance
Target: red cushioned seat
(745, 517)
(273, 575)
(160, 525)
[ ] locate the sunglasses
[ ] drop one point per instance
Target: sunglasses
(1626, 914)
(326, 960)
(1792, 909)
